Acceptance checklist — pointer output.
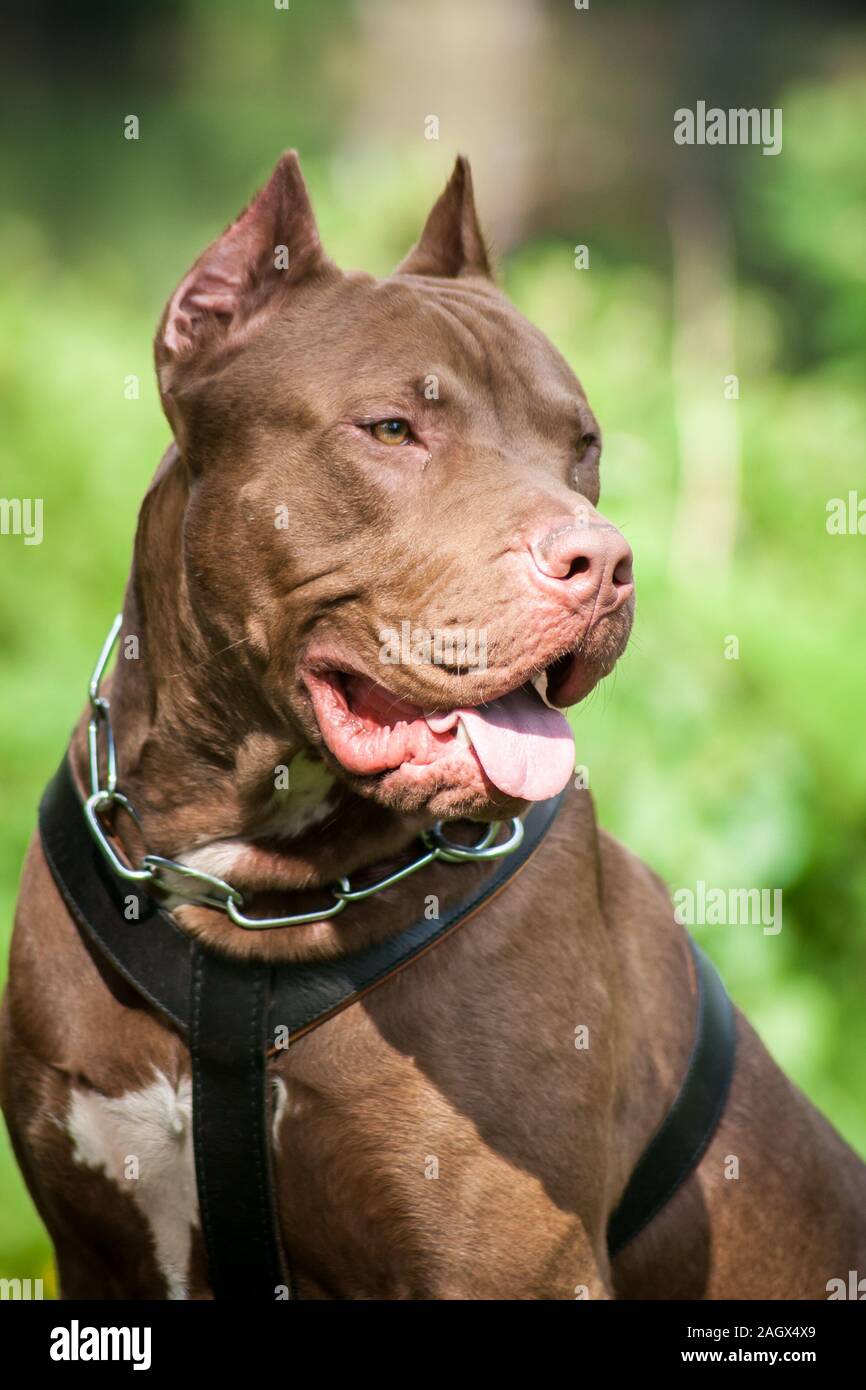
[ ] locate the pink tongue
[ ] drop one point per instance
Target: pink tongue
(525, 747)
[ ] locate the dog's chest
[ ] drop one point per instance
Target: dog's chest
(421, 1169)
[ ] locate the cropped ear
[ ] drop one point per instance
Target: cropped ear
(451, 243)
(274, 243)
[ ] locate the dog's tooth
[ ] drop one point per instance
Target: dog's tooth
(540, 684)
(440, 723)
(462, 734)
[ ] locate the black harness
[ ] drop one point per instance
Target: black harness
(228, 1011)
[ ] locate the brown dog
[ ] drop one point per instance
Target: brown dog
(355, 459)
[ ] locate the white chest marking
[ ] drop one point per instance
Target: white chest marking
(143, 1141)
(305, 802)
(280, 1106)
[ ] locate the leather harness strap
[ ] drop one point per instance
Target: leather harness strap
(680, 1142)
(229, 1009)
(231, 1124)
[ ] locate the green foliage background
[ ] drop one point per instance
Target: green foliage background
(744, 772)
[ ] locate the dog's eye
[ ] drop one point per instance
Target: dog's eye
(391, 431)
(586, 443)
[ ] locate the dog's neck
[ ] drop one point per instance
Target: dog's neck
(216, 779)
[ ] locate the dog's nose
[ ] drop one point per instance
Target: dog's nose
(587, 564)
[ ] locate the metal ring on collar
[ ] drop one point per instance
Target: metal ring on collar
(485, 849)
(92, 806)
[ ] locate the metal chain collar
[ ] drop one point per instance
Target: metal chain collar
(196, 886)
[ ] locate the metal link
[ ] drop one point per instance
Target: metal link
(92, 806)
(158, 873)
(357, 895)
(443, 849)
(485, 849)
(164, 869)
(295, 919)
(100, 715)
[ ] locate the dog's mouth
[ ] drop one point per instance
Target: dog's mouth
(518, 743)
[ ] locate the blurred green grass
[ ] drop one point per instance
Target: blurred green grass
(747, 772)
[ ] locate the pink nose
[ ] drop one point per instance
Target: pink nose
(587, 565)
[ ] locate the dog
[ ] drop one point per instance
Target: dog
(355, 458)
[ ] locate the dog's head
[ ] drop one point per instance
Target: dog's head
(393, 484)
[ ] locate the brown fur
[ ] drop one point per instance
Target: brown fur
(468, 1056)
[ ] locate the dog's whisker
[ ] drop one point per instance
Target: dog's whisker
(196, 665)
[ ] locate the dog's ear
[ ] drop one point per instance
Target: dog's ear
(274, 243)
(451, 243)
